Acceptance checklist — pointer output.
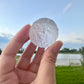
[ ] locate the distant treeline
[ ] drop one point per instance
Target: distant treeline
(67, 50)
(64, 50)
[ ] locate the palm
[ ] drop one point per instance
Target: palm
(25, 70)
(24, 77)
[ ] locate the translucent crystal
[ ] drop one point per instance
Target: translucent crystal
(43, 32)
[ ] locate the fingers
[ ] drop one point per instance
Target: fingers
(47, 66)
(36, 62)
(8, 58)
(24, 61)
(16, 43)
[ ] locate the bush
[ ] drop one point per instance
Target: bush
(0, 51)
(81, 50)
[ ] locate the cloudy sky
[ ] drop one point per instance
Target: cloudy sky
(68, 14)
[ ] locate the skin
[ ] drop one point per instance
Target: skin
(25, 72)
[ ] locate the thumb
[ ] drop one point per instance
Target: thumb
(51, 53)
(46, 73)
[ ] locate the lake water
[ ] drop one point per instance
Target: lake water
(67, 59)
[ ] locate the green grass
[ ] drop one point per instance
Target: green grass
(70, 75)
(17, 57)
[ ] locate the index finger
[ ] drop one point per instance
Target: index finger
(8, 56)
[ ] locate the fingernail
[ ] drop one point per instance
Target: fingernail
(57, 46)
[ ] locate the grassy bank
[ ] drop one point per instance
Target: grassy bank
(70, 75)
(17, 57)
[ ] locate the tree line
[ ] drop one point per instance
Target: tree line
(67, 50)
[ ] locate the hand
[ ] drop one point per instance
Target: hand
(25, 72)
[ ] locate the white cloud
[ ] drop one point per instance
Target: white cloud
(9, 36)
(4, 29)
(67, 7)
(72, 38)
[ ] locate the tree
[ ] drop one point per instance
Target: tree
(73, 50)
(81, 50)
(0, 51)
(65, 50)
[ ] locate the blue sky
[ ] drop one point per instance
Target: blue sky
(68, 14)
